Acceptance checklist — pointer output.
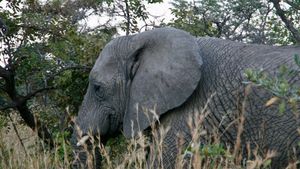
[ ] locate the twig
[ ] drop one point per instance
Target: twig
(127, 14)
(11, 105)
(30, 95)
(76, 67)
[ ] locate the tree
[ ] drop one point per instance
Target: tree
(131, 12)
(186, 18)
(263, 22)
(288, 16)
(42, 49)
(47, 50)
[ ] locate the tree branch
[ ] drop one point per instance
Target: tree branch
(127, 14)
(289, 25)
(32, 94)
(35, 124)
(8, 106)
(76, 67)
(4, 73)
(44, 30)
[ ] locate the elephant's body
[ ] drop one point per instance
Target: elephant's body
(222, 90)
(211, 76)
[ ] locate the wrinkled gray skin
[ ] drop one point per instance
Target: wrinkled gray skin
(176, 73)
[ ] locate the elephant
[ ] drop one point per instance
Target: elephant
(174, 73)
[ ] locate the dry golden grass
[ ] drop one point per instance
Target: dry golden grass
(134, 153)
(131, 153)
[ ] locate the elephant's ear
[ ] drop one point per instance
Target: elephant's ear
(168, 73)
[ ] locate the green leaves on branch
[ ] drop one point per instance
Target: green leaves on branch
(279, 84)
(297, 58)
(249, 21)
(187, 17)
(210, 154)
(46, 41)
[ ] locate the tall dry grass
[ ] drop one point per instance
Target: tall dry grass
(134, 153)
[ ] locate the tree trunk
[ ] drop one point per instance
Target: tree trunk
(35, 124)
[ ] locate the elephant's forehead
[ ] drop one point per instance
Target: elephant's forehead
(104, 68)
(112, 57)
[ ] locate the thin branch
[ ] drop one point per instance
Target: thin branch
(289, 25)
(44, 30)
(77, 67)
(8, 51)
(264, 23)
(99, 27)
(3, 72)
(127, 17)
(32, 94)
(35, 124)
(8, 106)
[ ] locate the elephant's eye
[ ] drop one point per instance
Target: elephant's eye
(99, 91)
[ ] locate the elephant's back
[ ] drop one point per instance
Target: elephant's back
(248, 55)
(233, 58)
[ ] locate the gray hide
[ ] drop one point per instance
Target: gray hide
(169, 71)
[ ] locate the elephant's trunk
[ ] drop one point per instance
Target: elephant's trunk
(82, 154)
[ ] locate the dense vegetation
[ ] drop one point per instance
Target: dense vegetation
(47, 49)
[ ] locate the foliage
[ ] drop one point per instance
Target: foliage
(43, 50)
(280, 84)
(131, 12)
(47, 47)
(63, 149)
(239, 20)
(186, 18)
(116, 148)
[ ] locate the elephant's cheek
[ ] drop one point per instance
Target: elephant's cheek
(102, 130)
(101, 126)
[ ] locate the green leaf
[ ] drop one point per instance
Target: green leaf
(267, 163)
(297, 59)
(283, 69)
(282, 107)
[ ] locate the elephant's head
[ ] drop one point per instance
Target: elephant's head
(157, 69)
